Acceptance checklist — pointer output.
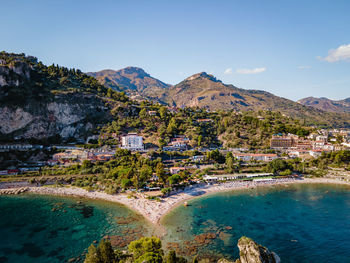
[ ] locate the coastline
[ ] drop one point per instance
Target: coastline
(154, 211)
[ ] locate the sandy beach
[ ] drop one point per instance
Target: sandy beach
(154, 210)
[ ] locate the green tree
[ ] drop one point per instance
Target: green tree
(125, 183)
(106, 251)
(230, 162)
(199, 140)
(172, 127)
(160, 172)
(145, 172)
(103, 253)
(277, 165)
(145, 245)
(166, 191)
(109, 93)
(143, 113)
(87, 164)
(163, 112)
(216, 156)
(174, 179)
(93, 255)
(150, 257)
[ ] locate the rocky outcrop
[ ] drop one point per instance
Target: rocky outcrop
(252, 252)
(14, 74)
(68, 116)
(13, 119)
(48, 103)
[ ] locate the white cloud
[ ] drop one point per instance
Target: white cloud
(250, 71)
(228, 71)
(340, 53)
(304, 67)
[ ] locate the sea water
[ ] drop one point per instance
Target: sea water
(38, 228)
(301, 223)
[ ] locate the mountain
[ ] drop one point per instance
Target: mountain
(327, 104)
(132, 80)
(51, 103)
(205, 91)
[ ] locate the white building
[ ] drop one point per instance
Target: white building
(132, 142)
(316, 153)
(246, 157)
(322, 138)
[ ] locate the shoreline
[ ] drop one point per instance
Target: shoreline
(154, 211)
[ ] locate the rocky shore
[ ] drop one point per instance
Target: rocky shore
(13, 191)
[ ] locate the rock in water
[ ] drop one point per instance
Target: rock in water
(252, 252)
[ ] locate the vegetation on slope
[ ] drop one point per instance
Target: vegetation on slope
(325, 104)
(149, 250)
(45, 81)
(205, 91)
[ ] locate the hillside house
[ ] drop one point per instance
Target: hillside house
(178, 144)
(175, 170)
(70, 155)
(198, 158)
(282, 141)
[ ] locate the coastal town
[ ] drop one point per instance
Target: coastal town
(175, 132)
(182, 163)
(285, 146)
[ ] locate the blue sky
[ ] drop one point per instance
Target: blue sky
(293, 49)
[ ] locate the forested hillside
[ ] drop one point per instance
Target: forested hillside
(39, 102)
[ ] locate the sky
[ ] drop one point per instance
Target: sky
(290, 48)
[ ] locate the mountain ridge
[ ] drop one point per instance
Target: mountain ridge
(206, 91)
(325, 104)
(133, 81)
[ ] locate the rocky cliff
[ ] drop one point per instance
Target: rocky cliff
(39, 102)
(68, 116)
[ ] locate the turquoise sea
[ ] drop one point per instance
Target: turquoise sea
(301, 223)
(37, 228)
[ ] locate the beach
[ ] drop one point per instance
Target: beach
(154, 210)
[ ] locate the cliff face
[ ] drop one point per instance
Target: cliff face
(252, 252)
(67, 116)
(29, 108)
